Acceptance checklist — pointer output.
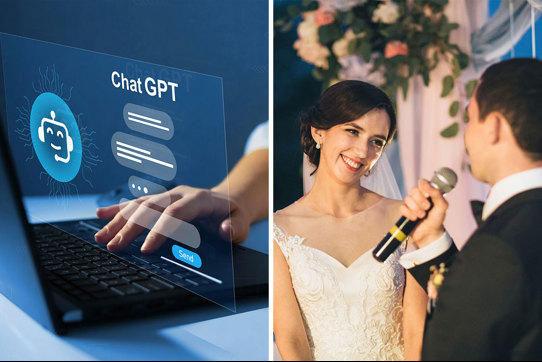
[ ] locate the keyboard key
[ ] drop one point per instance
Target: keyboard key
(128, 289)
(113, 282)
(153, 285)
(125, 272)
(106, 294)
(135, 278)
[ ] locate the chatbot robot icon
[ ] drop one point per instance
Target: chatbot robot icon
(56, 137)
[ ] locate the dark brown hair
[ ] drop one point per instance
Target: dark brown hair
(341, 103)
(514, 89)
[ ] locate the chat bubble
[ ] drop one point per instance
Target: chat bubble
(140, 187)
(160, 222)
(148, 121)
(144, 156)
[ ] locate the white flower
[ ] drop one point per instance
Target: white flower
(340, 47)
(386, 13)
(308, 29)
(312, 52)
(308, 45)
(354, 68)
(342, 5)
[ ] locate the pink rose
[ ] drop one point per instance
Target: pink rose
(394, 48)
(322, 17)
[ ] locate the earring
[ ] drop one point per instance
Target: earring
(317, 145)
(368, 173)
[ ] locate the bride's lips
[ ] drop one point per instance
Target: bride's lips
(351, 164)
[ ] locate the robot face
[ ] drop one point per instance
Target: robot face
(56, 137)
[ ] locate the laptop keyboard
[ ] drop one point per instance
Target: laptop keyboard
(88, 272)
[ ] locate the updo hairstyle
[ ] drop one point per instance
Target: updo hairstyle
(341, 103)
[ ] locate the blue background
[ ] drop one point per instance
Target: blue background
(228, 39)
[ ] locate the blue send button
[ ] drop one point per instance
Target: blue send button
(187, 256)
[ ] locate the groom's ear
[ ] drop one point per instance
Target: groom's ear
(494, 126)
(318, 135)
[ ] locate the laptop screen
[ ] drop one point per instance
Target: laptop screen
(88, 129)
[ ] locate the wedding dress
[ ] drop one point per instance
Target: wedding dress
(350, 312)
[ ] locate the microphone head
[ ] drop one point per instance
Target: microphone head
(444, 180)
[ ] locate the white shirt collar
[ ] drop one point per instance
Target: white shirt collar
(509, 187)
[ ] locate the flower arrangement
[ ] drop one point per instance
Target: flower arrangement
(383, 42)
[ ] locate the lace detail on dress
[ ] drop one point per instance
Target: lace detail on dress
(352, 313)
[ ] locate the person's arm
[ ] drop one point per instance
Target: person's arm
(288, 327)
(231, 207)
(429, 237)
(414, 312)
(248, 185)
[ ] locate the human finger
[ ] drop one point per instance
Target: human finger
(174, 223)
(416, 206)
(114, 226)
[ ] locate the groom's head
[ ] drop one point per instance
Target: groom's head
(504, 135)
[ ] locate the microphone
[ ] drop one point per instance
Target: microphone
(443, 180)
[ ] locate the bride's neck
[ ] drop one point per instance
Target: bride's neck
(334, 198)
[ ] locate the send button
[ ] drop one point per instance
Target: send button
(187, 256)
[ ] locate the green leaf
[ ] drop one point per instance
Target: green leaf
(447, 85)
(456, 69)
(280, 22)
(425, 76)
(365, 51)
(463, 60)
(413, 66)
(470, 87)
(454, 108)
(293, 10)
(450, 131)
(353, 45)
(306, 2)
(318, 74)
(349, 17)
(358, 26)
(403, 83)
(312, 6)
(440, 2)
(329, 33)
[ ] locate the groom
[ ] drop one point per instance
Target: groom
(489, 304)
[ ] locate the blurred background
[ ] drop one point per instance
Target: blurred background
(320, 42)
(204, 36)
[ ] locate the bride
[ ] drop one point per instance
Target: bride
(332, 299)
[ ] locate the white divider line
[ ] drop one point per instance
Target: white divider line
(145, 157)
(134, 148)
(143, 117)
(195, 271)
(148, 124)
(128, 157)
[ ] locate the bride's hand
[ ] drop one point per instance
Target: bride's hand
(415, 207)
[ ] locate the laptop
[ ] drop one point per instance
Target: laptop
(58, 274)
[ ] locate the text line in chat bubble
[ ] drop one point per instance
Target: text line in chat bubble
(144, 156)
(148, 121)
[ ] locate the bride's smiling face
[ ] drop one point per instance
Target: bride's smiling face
(349, 150)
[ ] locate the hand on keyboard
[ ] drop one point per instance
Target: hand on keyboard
(207, 207)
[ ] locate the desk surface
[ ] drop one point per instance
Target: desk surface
(210, 333)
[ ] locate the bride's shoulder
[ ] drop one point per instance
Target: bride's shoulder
(283, 217)
(390, 206)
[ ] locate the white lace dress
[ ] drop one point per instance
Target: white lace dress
(352, 313)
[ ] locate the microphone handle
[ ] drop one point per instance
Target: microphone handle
(398, 233)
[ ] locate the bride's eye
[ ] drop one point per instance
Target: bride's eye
(355, 132)
(378, 143)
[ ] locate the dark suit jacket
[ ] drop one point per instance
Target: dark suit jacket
(490, 304)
